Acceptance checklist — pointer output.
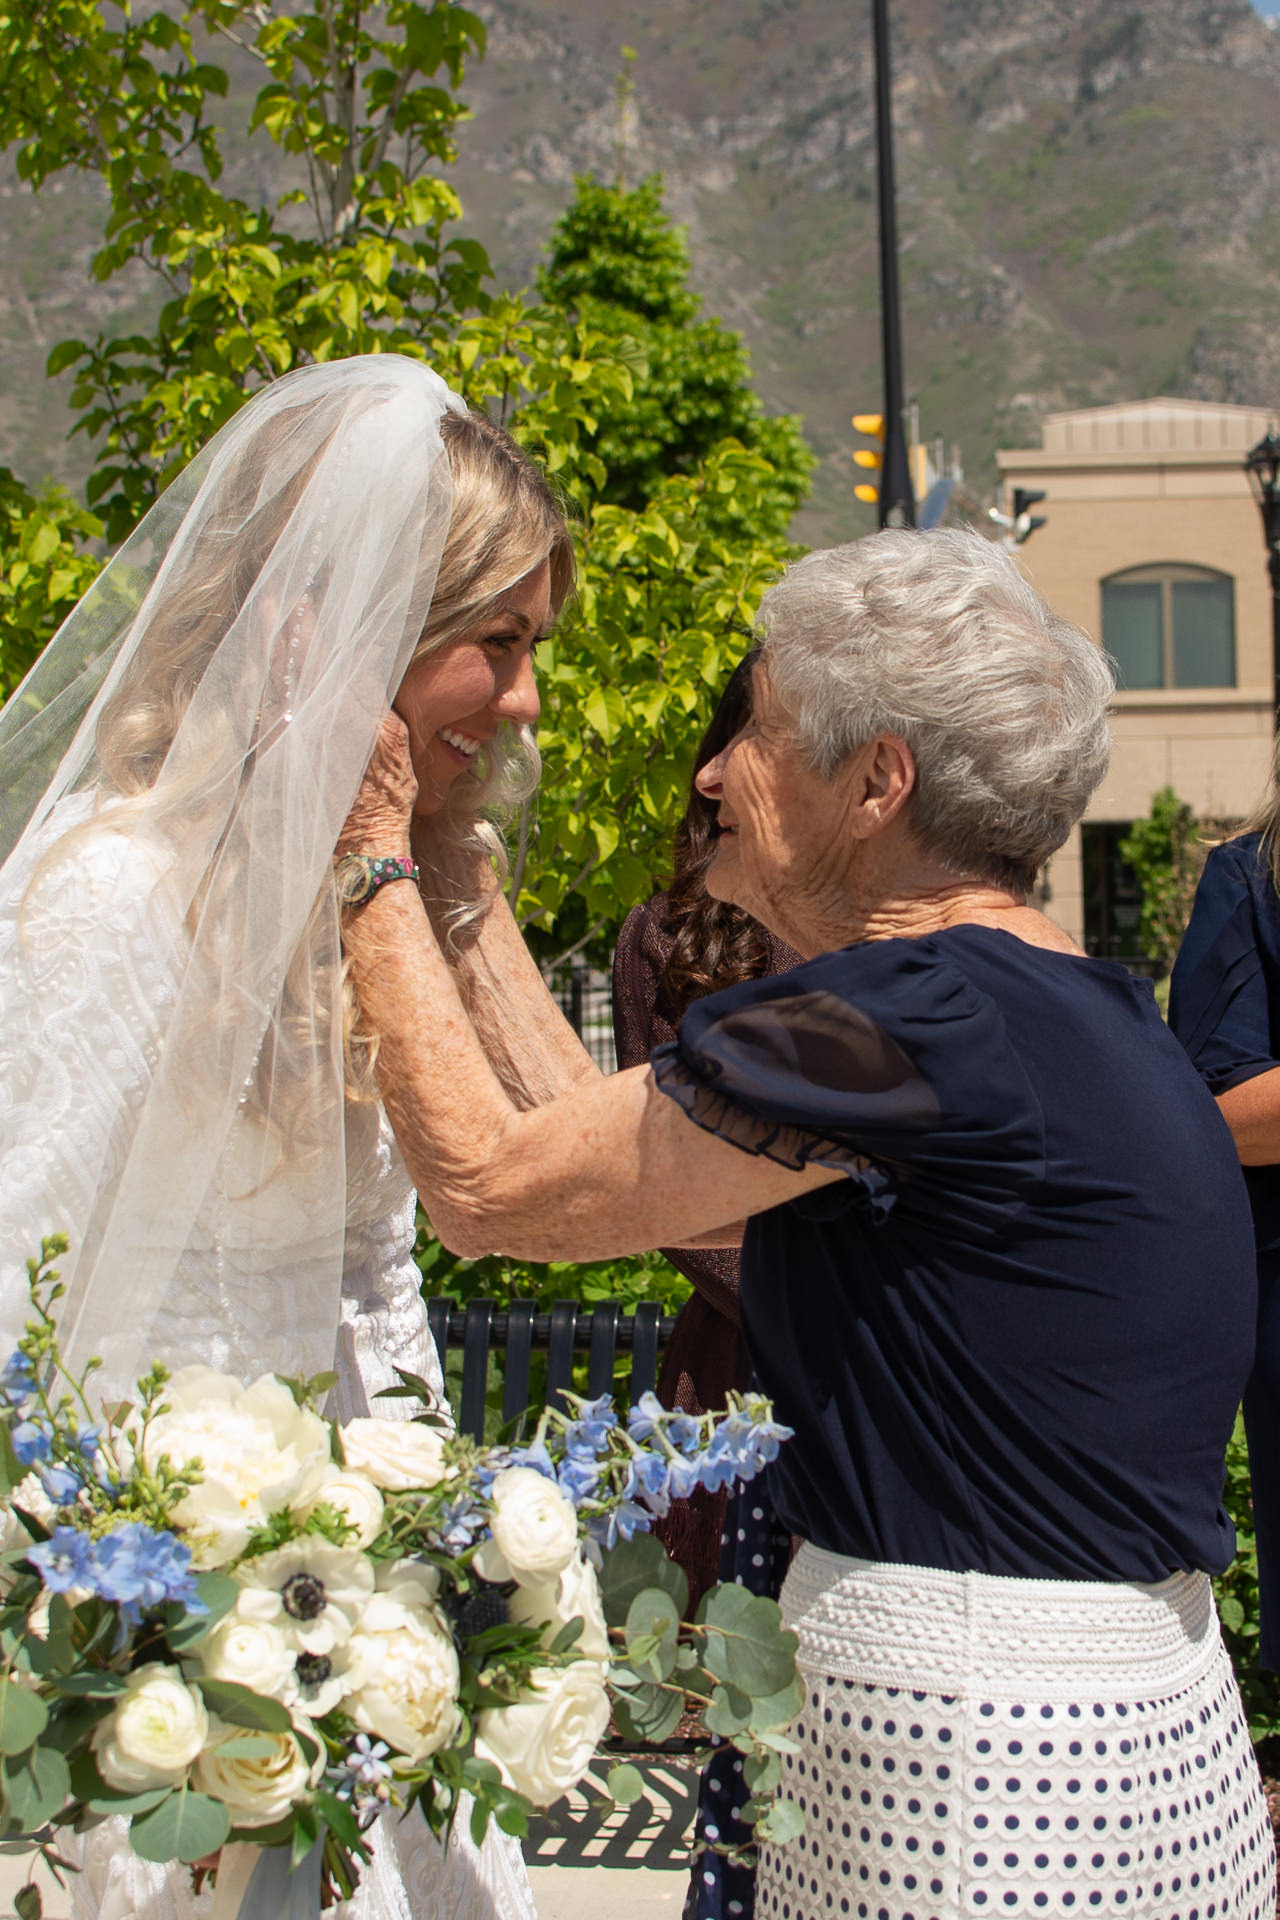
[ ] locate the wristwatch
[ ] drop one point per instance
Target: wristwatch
(358, 876)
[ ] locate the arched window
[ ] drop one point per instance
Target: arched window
(1170, 626)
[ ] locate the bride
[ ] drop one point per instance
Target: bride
(185, 1088)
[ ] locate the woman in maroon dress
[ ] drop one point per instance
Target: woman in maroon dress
(675, 948)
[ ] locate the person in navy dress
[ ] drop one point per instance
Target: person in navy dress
(1224, 1006)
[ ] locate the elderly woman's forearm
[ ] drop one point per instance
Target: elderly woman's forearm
(612, 1167)
(1252, 1111)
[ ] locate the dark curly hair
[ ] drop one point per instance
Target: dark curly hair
(714, 944)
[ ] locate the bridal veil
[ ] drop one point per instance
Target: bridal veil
(174, 773)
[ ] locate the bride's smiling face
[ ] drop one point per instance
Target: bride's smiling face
(454, 700)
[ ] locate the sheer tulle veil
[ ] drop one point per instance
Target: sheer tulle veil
(174, 773)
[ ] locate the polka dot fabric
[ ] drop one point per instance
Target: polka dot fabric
(931, 1805)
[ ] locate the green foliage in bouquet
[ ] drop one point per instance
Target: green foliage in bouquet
(225, 1619)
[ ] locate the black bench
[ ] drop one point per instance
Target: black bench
(601, 1332)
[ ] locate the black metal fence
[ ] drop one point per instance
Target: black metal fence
(583, 993)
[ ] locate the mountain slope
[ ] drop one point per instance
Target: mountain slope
(1089, 201)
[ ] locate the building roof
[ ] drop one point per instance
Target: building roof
(1143, 433)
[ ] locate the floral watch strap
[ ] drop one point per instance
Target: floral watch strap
(359, 875)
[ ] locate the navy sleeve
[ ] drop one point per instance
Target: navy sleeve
(883, 1061)
(1219, 996)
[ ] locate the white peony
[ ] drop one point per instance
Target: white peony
(543, 1744)
(396, 1455)
(256, 1447)
(256, 1788)
(403, 1665)
(351, 1494)
(311, 1592)
(154, 1734)
(534, 1530)
(575, 1595)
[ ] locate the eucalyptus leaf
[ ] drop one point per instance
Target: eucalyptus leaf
(91, 1685)
(241, 1707)
(185, 1826)
(626, 1784)
(27, 1903)
(755, 1653)
(632, 1568)
(37, 1785)
(728, 1713)
(652, 1633)
(779, 1821)
(773, 1712)
(23, 1717)
(648, 1714)
(762, 1772)
(218, 1592)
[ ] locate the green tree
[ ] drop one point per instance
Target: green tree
(44, 568)
(360, 257)
(354, 257)
(616, 261)
(1165, 854)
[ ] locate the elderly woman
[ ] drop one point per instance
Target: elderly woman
(997, 1270)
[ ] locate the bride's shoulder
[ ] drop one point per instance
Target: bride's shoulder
(93, 870)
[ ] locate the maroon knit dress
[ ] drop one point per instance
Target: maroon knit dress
(705, 1358)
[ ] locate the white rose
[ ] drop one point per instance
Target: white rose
(574, 1596)
(403, 1667)
(543, 1744)
(257, 1449)
(534, 1530)
(32, 1498)
(397, 1455)
(253, 1653)
(155, 1732)
(256, 1788)
(351, 1494)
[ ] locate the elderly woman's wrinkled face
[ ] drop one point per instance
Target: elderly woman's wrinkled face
(779, 838)
(454, 700)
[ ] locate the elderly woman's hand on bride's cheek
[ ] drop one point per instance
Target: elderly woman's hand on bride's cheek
(380, 817)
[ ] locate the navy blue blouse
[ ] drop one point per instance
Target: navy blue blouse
(1013, 1340)
(1224, 998)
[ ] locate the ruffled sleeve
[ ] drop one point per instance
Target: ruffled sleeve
(882, 1061)
(1219, 997)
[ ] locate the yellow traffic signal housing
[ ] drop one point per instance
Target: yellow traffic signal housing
(872, 425)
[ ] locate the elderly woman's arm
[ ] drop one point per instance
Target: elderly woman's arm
(1252, 1111)
(612, 1167)
(533, 1050)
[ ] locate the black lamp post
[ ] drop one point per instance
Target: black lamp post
(897, 503)
(1262, 464)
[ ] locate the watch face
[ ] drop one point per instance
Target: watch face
(355, 878)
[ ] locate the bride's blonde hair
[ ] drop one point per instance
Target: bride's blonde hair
(504, 521)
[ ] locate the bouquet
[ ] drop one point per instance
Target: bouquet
(225, 1619)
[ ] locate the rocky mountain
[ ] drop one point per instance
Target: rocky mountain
(1089, 202)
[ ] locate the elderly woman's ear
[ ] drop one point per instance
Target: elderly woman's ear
(879, 780)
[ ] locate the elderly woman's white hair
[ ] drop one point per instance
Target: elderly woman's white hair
(936, 637)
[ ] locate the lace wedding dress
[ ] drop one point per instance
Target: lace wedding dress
(84, 943)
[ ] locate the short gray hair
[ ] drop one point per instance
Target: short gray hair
(937, 637)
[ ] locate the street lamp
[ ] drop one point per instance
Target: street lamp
(1262, 464)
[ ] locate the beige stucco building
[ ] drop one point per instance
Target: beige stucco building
(1153, 544)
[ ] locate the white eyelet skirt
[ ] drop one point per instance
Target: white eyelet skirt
(979, 1746)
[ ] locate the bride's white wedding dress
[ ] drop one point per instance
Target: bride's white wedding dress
(411, 1877)
(84, 948)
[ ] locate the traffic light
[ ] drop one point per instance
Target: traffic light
(1024, 521)
(872, 426)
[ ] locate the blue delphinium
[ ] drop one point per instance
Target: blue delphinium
(18, 1381)
(64, 1560)
(136, 1566)
(32, 1440)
